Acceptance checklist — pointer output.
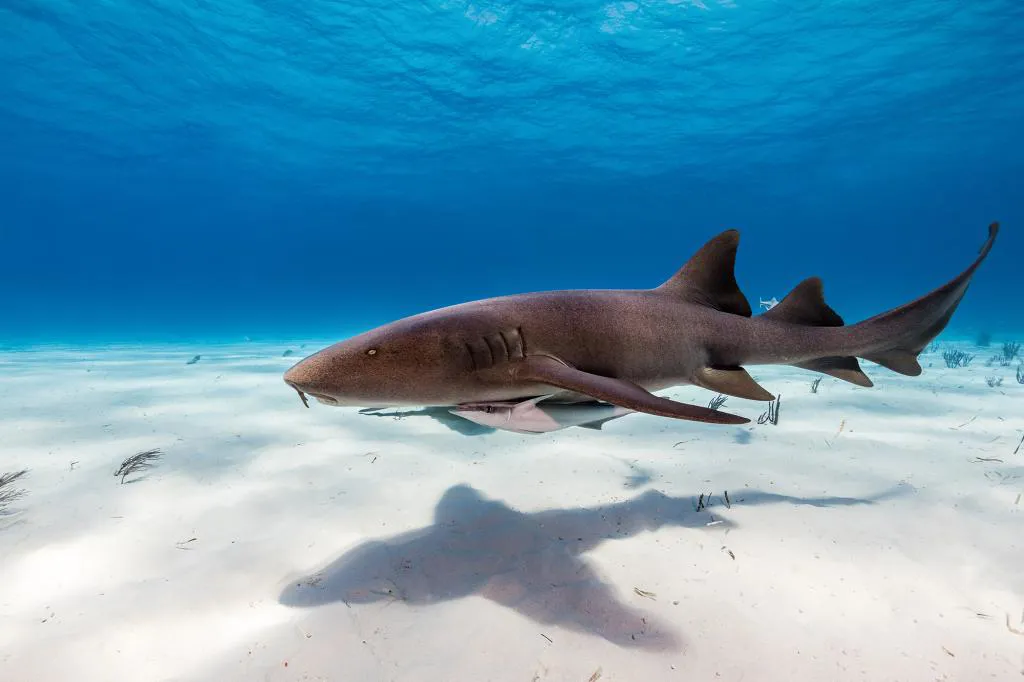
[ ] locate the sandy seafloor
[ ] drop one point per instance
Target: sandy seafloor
(278, 543)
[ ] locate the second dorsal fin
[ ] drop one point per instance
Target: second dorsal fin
(708, 278)
(806, 305)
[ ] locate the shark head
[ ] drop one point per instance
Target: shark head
(404, 363)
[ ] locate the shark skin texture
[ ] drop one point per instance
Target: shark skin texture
(539, 362)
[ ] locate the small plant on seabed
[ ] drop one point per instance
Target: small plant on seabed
(771, 415)
(717, 401)
(1020, 374)
(956, 358)
(138, 462)
(1010, 350)
(993, 382)
(9, 494)
(814, 385)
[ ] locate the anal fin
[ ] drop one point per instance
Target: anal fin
(845, 368)
(898, 360)
(734, 381)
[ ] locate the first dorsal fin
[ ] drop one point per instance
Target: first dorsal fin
(708, 278)
(806, 305)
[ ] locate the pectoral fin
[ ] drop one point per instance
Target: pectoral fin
(732, 381)
(548, 370)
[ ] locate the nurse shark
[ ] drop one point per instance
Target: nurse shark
(539, 362)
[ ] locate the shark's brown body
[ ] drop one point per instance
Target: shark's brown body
(617, 346)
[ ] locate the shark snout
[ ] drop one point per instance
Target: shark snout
(295, 376)
(303, 380)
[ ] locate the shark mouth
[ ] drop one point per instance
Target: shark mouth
(325, 399)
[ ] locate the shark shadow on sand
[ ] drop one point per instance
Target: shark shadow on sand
(531, 563)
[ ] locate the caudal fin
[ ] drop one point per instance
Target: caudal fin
(895, 338)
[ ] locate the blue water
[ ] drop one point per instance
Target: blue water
(193, 169)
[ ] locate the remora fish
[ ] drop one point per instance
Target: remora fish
(617, 346)
(533, 416)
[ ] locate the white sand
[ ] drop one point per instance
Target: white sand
(278, 543)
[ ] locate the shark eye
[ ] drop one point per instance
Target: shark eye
(372, 351)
